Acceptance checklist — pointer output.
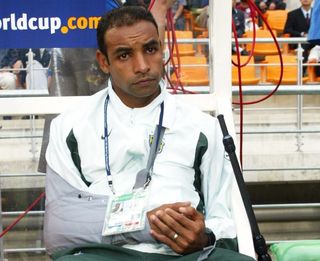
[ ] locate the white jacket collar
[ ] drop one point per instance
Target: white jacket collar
(164, 96)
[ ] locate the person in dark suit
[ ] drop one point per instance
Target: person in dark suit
(239, 21)
(18, 58)
(297, 25)
(298, 20)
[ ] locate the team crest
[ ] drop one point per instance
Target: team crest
(161, 144)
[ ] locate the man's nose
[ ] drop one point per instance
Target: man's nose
(141, 64)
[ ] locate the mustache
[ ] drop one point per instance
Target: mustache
(148, 76)
(144, 77)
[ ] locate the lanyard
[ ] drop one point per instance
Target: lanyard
(157, 136)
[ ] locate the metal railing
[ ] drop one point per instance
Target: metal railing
(300, 89)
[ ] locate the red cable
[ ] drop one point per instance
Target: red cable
(176, 67)
(151, 4)
(240, 88)
(252, 15)
(252, 5)
(22, 215)
(253, 8)
(170, 48)
(239, 66)
(172, 45)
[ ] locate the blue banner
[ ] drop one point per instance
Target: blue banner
(51, 23)
(314, 31)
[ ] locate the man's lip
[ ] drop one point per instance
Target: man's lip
(142, 81)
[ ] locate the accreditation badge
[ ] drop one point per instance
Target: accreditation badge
(126, 213)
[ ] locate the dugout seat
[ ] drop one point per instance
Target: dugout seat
(290, 69)
(193, 71)
(184, 48)
(248, 72)
(277, 20)
(262, 48)
(306, 250)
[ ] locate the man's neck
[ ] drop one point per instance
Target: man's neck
(306, 7)
(136, 103)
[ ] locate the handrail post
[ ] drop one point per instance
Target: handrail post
(32, 133)
(1, 229)
(299, 97)
(30, 69)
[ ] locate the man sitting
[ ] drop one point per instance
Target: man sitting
(134, 174)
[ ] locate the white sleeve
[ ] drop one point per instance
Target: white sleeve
(58, 156)
(315, 53)
(217, 180)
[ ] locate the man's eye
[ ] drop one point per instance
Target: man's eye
(151, 49)
(124, 56)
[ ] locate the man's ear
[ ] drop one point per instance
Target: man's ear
(103, 61)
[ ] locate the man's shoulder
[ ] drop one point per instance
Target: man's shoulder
(192, 113)
(294, 12)
(81, 108)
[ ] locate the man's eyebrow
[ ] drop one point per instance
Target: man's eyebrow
(122, 50)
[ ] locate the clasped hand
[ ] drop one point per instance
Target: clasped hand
(178, 225)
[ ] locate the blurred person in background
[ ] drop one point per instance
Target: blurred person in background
(17, 59)
(244, 7)
(239, 22)
(8, 77)
(298, 24)
(177, 12)
(314, 57)
(265, 5)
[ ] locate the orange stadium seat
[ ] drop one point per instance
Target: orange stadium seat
(276, 19)
(262, 48)
(184, 49)
(248, 72)
(290, 69)
(191, 73)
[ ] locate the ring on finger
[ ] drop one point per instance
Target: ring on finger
(175, 236)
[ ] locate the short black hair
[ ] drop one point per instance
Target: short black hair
(122, 16)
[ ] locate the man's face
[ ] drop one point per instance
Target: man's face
(234, 3)
(135, 62)
(306, 3)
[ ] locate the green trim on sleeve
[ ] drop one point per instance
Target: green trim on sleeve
(73, 147)
(201, 148)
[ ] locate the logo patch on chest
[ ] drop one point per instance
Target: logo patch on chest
(151, 136)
